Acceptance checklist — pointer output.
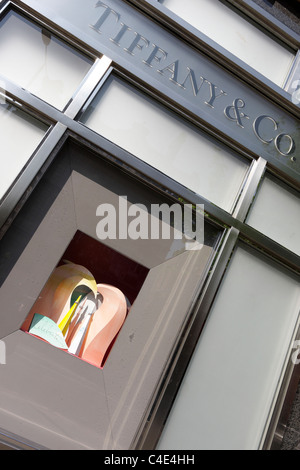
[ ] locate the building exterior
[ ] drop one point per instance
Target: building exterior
(151, 158)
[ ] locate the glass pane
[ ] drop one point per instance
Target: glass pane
(276, 213)
(227, 393)
(20, 135)
(39, 62)
(237, 35)
(144, 128)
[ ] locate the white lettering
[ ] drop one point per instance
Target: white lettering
(107, 227)
(115, 460)
(165, 211)
(185, 221)
(138, 228)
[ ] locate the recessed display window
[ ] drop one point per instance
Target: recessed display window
(39, 62)
(86, 300)
(58, 399)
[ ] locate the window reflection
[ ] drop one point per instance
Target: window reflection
(275, 213)
(36, 60)
(236, 367)
(20, 135)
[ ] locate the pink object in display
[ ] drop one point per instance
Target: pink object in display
(105, 325)
(85, 325)
(55, 299)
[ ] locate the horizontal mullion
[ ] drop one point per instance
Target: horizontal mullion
(28, 101)
(113, 151)
(270, 247)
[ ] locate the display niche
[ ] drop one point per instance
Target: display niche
(86, 300)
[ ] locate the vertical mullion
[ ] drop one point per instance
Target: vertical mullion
(96, 74)
(256, 173)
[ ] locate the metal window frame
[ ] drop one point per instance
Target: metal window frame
(64, 125)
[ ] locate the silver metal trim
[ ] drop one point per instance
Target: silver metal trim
(96, 74)
(249, 191)
(93, 95)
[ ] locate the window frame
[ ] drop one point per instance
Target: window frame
(280, 183)
(65, 125)
(11, 7)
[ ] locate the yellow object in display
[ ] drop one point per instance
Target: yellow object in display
(65, 323)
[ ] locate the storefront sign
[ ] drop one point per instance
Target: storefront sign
(157, 57)
(194, 81)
